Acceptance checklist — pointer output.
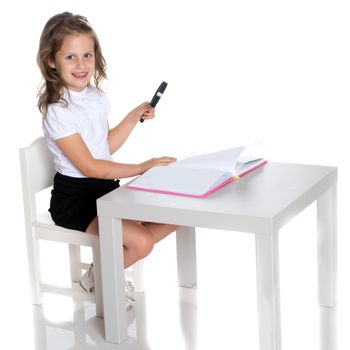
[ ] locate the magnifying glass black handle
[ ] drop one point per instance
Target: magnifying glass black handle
(156, 97)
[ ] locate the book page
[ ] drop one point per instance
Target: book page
(246, 163)
(224, 160)
(180, 180)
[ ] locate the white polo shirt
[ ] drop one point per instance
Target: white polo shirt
(87, 114)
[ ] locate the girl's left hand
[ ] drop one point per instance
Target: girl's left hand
(144, 111)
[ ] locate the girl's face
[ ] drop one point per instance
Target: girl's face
(75, 61)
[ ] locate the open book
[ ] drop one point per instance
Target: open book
(198, 176)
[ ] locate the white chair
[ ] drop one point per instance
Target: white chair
(37, 170)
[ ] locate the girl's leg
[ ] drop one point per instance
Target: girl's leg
(159, 231)
(138, 238)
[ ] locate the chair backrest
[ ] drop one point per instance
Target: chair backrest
(37, 171)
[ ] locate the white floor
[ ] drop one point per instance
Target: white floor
(74, 326)
(220, 313)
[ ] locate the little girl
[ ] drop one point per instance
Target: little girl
(75, 124)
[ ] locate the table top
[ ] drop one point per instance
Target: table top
(258, 202)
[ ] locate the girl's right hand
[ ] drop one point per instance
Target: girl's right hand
(161, 161)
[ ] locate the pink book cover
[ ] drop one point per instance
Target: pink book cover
(206, 194)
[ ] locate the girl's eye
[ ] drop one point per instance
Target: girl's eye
(69, 57)
(88, 55)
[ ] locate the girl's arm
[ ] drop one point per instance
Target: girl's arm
(118, 135)
(77, 152)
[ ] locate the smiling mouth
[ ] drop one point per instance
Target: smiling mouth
(80, 75)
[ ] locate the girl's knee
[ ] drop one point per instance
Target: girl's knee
(144, 245)
(138, 239)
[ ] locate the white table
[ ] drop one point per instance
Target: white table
(261, 203)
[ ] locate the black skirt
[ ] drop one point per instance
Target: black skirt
(73, 200)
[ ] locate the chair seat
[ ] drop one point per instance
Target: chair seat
(45, 228)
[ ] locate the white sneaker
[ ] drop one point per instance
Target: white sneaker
(129, 292)
(87, 281)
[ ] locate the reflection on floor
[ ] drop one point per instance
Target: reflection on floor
(61, 323)
(220, 313)
(64, 324)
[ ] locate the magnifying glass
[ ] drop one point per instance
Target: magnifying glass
(156, 97)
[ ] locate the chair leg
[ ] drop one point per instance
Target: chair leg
(34, 270)
(75, 262)
(137, 272)
(97, 279)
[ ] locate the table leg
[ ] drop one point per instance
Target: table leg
(137, 272)
(112, 272)
(97, 278)
(328, 328)
(327, 247)
(267, 274)
(186, 256)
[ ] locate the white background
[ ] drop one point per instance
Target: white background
(238, 72)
